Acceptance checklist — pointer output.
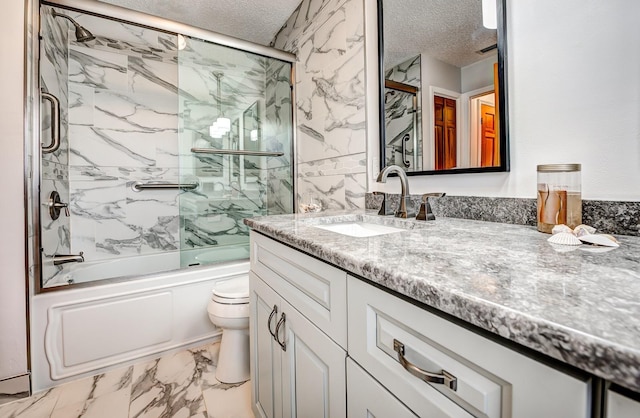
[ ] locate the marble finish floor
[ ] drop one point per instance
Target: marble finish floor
(176, 385)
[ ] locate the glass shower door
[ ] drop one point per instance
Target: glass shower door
(235, 141)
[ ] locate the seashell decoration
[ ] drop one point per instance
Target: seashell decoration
(582, 230)
(564, 235)
(600, 239)
(564, 238)
(561, 228)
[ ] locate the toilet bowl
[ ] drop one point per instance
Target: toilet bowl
(229, 310)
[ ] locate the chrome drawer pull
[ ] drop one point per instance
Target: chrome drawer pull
(281, 323)
(443, 378)
(273, 312)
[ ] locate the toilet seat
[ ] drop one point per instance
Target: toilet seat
(232, 292)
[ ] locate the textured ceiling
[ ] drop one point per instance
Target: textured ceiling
(252, 20)
(448, 30)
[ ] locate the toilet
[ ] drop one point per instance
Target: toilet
(229, 310)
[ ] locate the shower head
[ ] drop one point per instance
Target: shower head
(82, 34)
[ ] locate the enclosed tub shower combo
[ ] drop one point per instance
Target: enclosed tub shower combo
(152, 140)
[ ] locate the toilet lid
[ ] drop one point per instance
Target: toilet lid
(234, 290)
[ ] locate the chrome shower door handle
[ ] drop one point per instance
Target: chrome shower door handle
(281, 322)
(274, 311)
(443, 378)
(405, 139)
(55, 123)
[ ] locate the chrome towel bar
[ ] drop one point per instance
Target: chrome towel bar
(236, 152)
(137, 186)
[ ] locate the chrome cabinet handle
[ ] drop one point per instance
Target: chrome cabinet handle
(274, 311)
(405, 139)
(443, 378)
(281, 323)
(55, 123)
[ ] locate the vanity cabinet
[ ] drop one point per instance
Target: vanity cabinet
(472, 376)
(297, 367)
(327, 344)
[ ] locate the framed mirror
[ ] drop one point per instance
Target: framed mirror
(443, 85)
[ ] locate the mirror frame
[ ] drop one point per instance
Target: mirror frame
(502, 99)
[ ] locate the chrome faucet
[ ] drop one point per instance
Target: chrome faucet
(426, 213)
(405, 201)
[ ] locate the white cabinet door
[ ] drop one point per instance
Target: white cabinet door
(296, 369)
(265, 353)
(620, 406)
(313, 370)
(367, 398)
(316, 289)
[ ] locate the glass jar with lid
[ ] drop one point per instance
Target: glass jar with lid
(559, 196)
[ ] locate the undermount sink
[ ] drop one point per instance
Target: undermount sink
(360, 229)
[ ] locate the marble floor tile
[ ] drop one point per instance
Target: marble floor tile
(167, 387)
(110, 405)
(39, 405)
(229, 401)
(179, 385)
(83, 390)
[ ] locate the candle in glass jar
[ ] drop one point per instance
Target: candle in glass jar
(559, 196)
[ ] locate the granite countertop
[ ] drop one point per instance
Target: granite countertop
(578, 305)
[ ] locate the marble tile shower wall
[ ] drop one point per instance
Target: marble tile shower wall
(55, 236)
(279, 134)
(328, 38)
(123, 124)
(136, 107)
(399, 113)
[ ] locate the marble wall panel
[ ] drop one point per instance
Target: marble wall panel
(328, 191)
(280, 190)
(55, 234)
(327, 37)
(99, 69)
(278, 138)
(123, 129)
(407, 72)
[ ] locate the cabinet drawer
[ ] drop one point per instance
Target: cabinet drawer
(621, 406)
(314, 288)
(368, 398)
(490, 379)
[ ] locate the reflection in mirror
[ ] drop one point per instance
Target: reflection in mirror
(443, 97)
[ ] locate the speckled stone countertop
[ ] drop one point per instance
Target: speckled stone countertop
(577, 305)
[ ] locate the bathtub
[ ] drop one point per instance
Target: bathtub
(86, 330)
(131, 267)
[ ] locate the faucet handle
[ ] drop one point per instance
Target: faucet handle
(384, 207)
(426, 214)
